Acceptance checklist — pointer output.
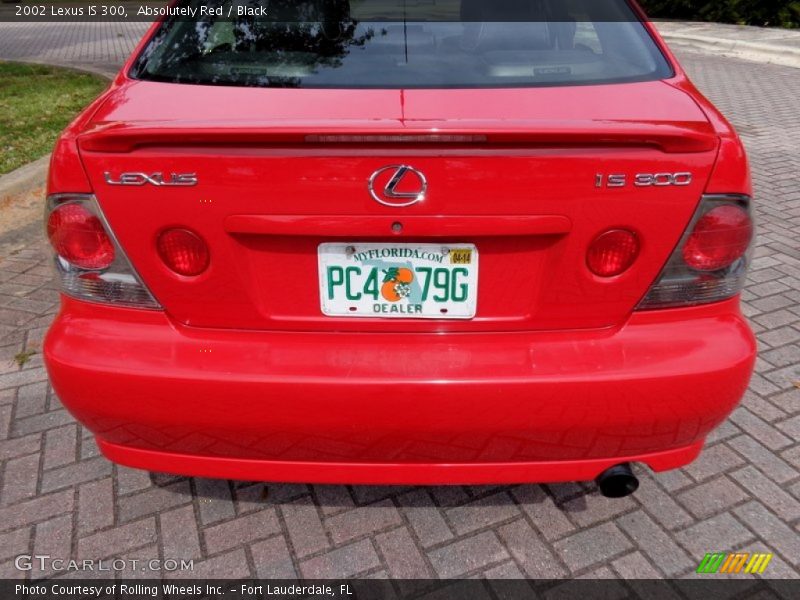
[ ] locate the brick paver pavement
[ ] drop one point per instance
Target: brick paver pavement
(99, 47)
(59, 497)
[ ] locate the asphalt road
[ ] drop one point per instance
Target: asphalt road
(59, 497)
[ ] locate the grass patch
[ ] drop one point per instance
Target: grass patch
(24, 357)
(36, 103)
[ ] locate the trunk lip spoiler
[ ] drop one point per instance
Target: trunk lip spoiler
(669, 137)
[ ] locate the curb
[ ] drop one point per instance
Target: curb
(785, 56)
(25, 178)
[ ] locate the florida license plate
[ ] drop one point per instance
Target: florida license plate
(400, 281)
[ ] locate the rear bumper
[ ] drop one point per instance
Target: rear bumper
(399, 408)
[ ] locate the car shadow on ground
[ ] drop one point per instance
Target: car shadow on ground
(567, 497)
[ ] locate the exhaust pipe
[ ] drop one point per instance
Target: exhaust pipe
(618, 481)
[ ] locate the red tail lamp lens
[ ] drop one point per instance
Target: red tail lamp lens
(612, 253)
(183, 251)
(79, 237)
(720, 238)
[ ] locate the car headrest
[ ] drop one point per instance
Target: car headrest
(516, 25)
(493, 36)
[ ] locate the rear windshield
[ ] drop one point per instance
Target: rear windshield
(402, 44)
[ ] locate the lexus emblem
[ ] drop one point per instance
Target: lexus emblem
(398, 186)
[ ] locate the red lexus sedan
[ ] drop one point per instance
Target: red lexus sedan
(362, 243)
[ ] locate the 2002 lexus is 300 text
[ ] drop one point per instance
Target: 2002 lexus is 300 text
(464, 242)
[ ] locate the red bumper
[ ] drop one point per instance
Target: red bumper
(389, 408)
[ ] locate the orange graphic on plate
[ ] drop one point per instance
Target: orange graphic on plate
(396, 283)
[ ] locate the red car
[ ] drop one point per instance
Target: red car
(493, 242)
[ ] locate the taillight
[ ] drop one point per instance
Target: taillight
(183, 251)
(719, 238)
(612, 253)
(89, 262)
(711, 260)
(78, 237)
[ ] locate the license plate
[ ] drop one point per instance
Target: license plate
(399, 281)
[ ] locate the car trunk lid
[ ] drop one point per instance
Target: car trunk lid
(523, 174)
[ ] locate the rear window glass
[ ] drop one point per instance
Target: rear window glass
(392, 44)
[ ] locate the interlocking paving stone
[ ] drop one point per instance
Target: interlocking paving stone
(333, 498)
(366, 494)
(403, 557)
(530, 551)
(467, 554)
(68, 476)
(635, 566)
(788, 401)
(231, 565)
(712, 497)
(484, 512)
(655, 543)
(249, 497)
(7, 396)
(791, 427)
(89, 448)
(593, 508)
(362, 521)
(759, 405)
(342, 562)
(31, 400)
(780, 336)
(792, 455)
(768, 492)
(709, 535)
(179, 534)
(775, 533)
(60, 446)
(715, 460)
(8, 570)
(15, 378)
(660, 503)
(591, 546)
(36, 509)
(142, 556)
(112, 542)
(60, 497)
(280, 494)
(54, 538)
(725, 431)
(216, 503)
(785, 378)
(131, 480)
(545, 516)
(505, 571)
(95, 505)
(20, 479)
(273, 559)
(305, 527)
(14, 543)
(153, 500)
(760, 429)
(241, 530)
(428, 525)
(42, 422)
